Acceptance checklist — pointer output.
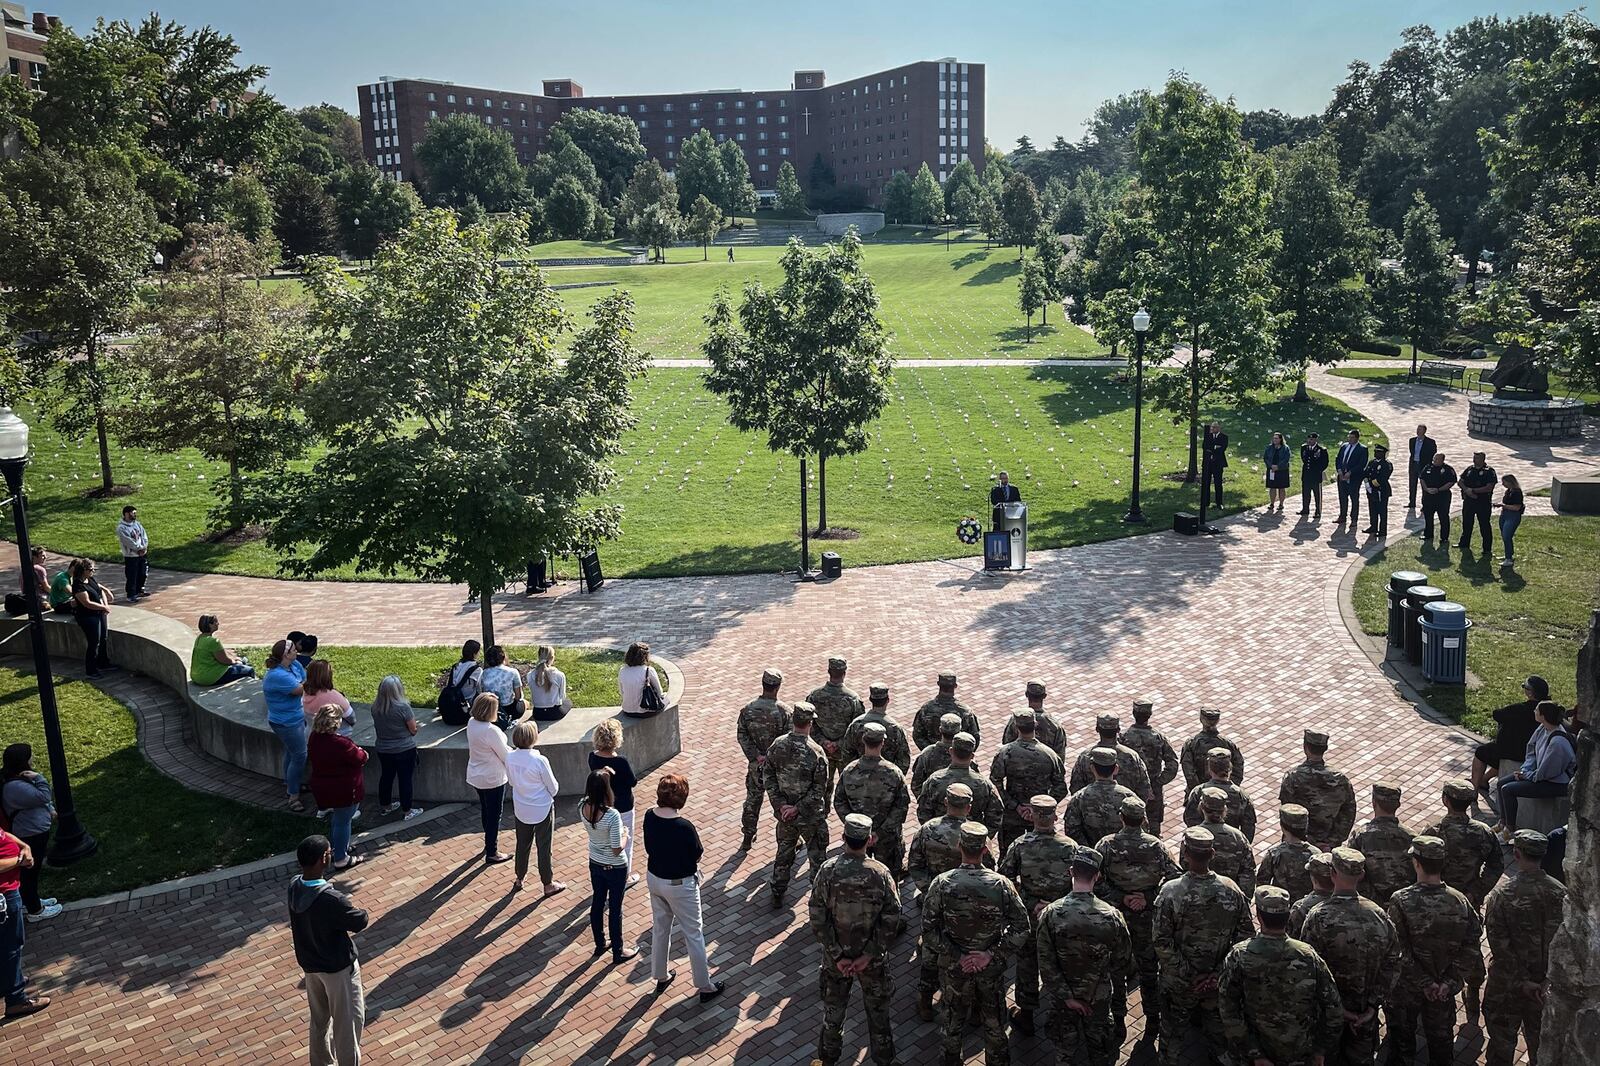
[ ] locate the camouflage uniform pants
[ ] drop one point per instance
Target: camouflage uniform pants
(1438, 1025)
(1181, 1007)
(1502, 1017)
(1010, 829)
(927, 969)
(1142, 930)
(1154, 811)
(875, 993)
(755, 794)
(789, 834)
(959, 992)
(1357, 1044)
(1028, 964)
(1081, 1041)
(891, 851)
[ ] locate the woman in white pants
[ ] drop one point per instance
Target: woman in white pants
(672, 847)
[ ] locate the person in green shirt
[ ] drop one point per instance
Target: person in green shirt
(211, 663)
(61, 592)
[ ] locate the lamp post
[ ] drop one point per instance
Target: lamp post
(1141, 325)
(159, 260)
(72, 840)
(357, 222)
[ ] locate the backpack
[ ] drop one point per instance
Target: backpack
(452, 704)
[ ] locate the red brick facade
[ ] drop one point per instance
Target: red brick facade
(24, 38)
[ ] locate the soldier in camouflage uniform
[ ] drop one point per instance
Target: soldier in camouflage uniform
(975, 922)
(855, 913)
(1359, 943)
(1160, 761)
(987, 806)
(1277, 1000)
(1095, 811)
(1324, 792)
(1386, 844)
(1022, 769)
(1234, 858)
(1284, 864)
(895, 746)
(1047, 730)
(935, 849)
(1199, 917)
(1522, 914)
(837, 706)
(1441, 953)
(1134, 865)
(927, 726)
(1320, 869)
(1472, 858)
(936, 756)
(1131, 772)
(1082, 942)
(797, 786)
(1040, 865)
(761, 721)
(1192, 758)
(1241, 812)
(877, 789)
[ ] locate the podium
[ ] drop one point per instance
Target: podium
(1006, 548)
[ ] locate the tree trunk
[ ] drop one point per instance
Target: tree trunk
(1300, 393)
(235, 494)
(486, 616)
(1472, 276)
(1044, 313)
(705, 252)
(92, 357)
(1194, 406)
(822, 492)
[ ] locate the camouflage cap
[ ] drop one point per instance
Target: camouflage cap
(962, 794)
(1210, 714)
(1024, 719)
(803, 712)
(1219, 755)
(1086, 857)
(1349, 861)
(1270, 899)
(1143, 708)
(1320, 865)
(878, 692)
(873, 733)
(857, 827)
(1044, 804)
(1108, 723)
(974, 835)
(1103, 756)
(1426, 847)
(837, 664)
(771, 678)
(1034, 688)
(1386, 791)
(964, 742)
(1294, 816)
(1316, 740)
(1198, 838)
(1132, 806)
(1459, 790)
(1530, 842)
(1213, 798)
(947, 678)
(949, 724)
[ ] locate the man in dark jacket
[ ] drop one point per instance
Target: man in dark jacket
(1477, 484)
(1350, 463)
(1000, 495)
(322, 920)
(1213, 461)
(1313, 464)
(1419, 450)
(1376, 477)
(1437, 478)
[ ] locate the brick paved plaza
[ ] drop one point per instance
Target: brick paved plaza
(459, 970)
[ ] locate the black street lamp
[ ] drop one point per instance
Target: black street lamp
(72, 840)
(1141, 325)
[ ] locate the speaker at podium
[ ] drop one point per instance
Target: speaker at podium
(1006, 548)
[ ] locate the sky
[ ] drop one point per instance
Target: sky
(1049, 63)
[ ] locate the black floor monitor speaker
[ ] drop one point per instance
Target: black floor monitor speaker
(1186, 523)
(831, 566)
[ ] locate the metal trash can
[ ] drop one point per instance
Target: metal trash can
(1416, 597)
(1400, 582)
(1444, 642)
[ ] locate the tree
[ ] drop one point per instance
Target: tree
(307, 221)
(459, 443)
(738, 194)
(699, 171)
(927, 199)
(569, 209)
(791, 198)
(1421, 296)
(1030, 291)
(651, 187)
(963, 176)
(989, 216)
(1019, 207)
(1324, 246)
(324, 139)
(460, 157)
(964, 205)
(1051, 258)
(898, 198)
(656, 227)
(808, 363)
(820, 181)
(1024, 147)
(612, 144)
(78, 237)
(245, 204)
(1393, 170)
(214, 371)
(562, 158)
(1266, 130)
(705, 219)
(372, 210)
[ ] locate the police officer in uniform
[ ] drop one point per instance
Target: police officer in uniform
(1477, 500)
(1376, 478)
(855, 915)
(1437, 479)
(761, 721)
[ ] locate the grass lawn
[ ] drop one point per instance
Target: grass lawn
(700, 497)
(1400, 375)
(591, 673)
(150, 828)
(577, 250)
(1530, 620)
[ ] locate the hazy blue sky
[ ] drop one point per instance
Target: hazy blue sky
(1049, 64)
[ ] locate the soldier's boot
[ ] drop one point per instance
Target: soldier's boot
(1022, 1020)
(749, 840)
(1150, 1001)
(925, 1006)
(1473, 1008)
(974, 1013)
(777, 896)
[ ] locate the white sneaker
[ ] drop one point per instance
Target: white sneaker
(48, 902)
(49, 910)
(412, 813)
(322, 812)
(391, 808)
(356, 817)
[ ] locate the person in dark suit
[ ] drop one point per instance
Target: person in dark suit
(1002, 494)
(1350, 464)
(1213, 460)
(1376, 477)
(1313, 464)
(1419, 450)
(1437, 478)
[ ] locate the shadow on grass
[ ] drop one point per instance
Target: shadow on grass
(772, 557)
(969, 259)
(995, 273)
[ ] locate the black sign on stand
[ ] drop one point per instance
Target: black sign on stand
(590, 566)
(997, 550)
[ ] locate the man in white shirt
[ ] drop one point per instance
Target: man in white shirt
(135, 553)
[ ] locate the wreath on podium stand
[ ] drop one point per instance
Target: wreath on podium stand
(968, 531)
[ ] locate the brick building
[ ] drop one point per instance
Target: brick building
(865, 128)
(24, 42)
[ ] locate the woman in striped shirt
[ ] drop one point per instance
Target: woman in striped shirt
(608, 865)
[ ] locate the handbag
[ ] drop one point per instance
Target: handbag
(650, 699)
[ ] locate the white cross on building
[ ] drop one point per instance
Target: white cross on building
(806, 114)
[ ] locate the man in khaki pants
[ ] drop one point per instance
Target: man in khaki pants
(322, 919)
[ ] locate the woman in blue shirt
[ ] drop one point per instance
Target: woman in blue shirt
(283, 686)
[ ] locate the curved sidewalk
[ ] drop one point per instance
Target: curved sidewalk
(460, 971)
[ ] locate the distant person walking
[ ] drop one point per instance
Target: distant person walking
(91, 606)
(1511, 508)
(730, 253)
(282, 688)
(605, 760)
(608, 866)
(394, 730)
(486, 770)
(321, 919)
(533, 796)
(1276, 457)
(135, 554)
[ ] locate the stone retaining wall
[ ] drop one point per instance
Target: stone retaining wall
(636, 259)
(1553, 419)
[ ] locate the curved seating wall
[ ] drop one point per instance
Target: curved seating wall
(230, 721)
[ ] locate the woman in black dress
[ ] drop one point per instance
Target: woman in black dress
(1276, 457)
(1514, 726)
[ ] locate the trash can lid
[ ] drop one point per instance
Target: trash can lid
(1401, 580)
(1446, 615)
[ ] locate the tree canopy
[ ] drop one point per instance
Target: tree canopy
(462, 159)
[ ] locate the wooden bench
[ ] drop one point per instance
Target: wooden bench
(1447, 374)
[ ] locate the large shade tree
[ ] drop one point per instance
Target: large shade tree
(460, 444)
(463, 160)
(807, 362)
(612, 144)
